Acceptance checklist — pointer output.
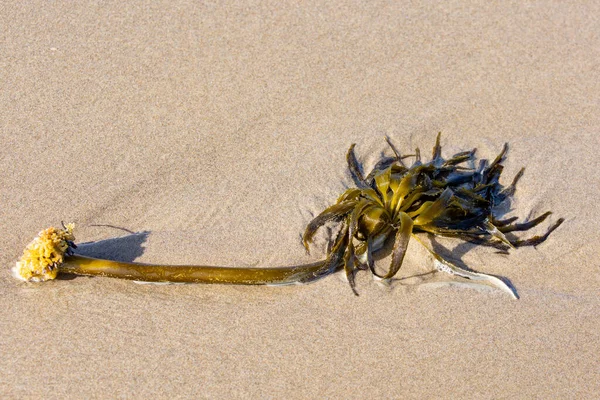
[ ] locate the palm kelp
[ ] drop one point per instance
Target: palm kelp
(441, 197)
(394, 201)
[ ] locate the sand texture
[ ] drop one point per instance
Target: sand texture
(206, 132)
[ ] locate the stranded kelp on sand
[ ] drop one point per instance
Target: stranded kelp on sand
(395, 201)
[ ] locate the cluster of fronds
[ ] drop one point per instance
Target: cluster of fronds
(447, 197)
(42, 257)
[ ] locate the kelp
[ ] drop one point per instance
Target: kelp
(394, 201)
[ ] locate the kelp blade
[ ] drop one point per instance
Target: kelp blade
(335, 212)
(400, 245)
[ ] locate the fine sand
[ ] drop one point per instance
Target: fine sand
(180, 132)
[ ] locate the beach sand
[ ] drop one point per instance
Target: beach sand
(180, 132)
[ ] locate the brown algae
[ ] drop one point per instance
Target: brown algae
(442, 197)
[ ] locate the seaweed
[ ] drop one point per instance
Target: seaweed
(394, 201)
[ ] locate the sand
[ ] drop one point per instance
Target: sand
(183, 132)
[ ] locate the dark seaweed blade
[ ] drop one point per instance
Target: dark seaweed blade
(491, 176)
(333, 213)
(534, 241)
(400, 245)
(454, 219)
(510, 190)
(395, 150)
(436, 158)
(502, 222)
(474, 238)
(459, 178)
(354, 168)
(417, 158)
(497, 161)
(350, 266)
(460, 158)
(523, 226)
(478, 178)
(381, 165)
(472, 198)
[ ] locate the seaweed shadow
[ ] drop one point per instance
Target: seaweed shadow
(124, 248)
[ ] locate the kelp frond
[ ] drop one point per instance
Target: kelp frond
(440, 197)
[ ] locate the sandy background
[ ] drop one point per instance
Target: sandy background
(205, 132)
